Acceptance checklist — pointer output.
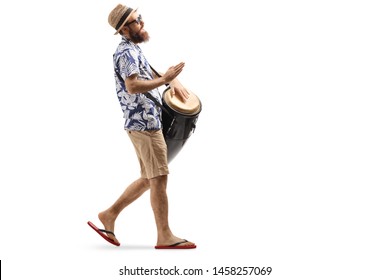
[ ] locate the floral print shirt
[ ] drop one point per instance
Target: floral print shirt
(140, 112)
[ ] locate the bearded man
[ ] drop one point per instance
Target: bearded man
(134, 77)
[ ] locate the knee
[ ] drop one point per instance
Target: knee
(159, 181)
(145, 183)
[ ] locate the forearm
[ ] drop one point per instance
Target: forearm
(133, 85)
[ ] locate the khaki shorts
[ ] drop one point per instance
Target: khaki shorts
(152, 151)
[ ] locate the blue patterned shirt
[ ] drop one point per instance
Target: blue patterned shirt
(140, 112)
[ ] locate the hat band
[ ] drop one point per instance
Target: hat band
(123, 18)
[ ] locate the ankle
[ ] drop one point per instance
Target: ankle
(107, 215)
(165, 234)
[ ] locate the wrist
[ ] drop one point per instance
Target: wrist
(173, 82)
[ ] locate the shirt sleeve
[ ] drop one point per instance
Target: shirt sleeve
(128, 65)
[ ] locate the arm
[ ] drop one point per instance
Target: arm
(133, 85)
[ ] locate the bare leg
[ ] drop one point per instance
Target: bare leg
(133, 191)
(159, 201)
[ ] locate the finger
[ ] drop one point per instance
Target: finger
(177, 72)
(172, 92)
(186, 93)
(180, 66)
(182, 95)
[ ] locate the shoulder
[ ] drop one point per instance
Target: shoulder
(126, 49)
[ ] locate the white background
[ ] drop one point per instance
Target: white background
(288, 166)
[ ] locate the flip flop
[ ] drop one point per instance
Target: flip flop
(101, 233)
(174, 246)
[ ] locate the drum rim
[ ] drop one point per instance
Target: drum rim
(184, 114)
(181, 113)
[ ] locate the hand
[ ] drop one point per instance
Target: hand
(173, 72)
(177, 89)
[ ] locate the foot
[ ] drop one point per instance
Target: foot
(109, 223)
(175, 243)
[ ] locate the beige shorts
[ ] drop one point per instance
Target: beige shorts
(152, 151)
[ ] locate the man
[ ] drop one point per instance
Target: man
(134, 77)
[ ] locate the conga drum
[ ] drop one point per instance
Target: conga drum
(179, 120)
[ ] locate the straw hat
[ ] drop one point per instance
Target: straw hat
(119, 16)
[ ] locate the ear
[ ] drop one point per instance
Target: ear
(124, 29)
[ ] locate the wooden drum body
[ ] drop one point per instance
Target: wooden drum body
(179, 121)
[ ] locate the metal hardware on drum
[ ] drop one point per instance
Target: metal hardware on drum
(170, 125)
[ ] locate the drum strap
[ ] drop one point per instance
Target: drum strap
(151, 97)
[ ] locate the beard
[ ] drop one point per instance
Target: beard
(139, 37)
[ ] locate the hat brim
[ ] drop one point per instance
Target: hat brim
(124, 22)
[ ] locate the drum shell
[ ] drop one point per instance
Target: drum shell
(177, 128)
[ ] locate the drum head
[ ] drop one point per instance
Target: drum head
(190, 107)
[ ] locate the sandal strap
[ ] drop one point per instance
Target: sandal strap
(178, 243)
(106, 231)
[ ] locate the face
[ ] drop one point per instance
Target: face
(134, 29)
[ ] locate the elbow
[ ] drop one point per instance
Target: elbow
(131, 90)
